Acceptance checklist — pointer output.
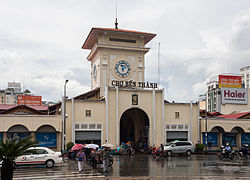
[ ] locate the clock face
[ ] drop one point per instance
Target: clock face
(122, 68)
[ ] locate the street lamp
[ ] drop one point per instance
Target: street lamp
(206, 120)
(64, 116)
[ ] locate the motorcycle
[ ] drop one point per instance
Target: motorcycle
(224, 155)
(243, 152)
(158, 152)
(98, 160)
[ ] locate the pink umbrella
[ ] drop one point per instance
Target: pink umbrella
(77, 147)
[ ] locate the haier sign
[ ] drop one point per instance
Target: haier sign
(234, 96)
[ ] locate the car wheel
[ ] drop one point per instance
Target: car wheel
(169, 153)
(188, 153)
(49, 163)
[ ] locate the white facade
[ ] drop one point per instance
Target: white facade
(245, 76)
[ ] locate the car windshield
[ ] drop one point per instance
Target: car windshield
(169, 144)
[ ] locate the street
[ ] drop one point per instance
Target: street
(143, 166)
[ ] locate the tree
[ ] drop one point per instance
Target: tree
(9, 151)
(27, 91)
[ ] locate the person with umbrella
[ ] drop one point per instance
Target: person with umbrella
(81, 157)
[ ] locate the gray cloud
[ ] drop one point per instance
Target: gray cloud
(40, 42)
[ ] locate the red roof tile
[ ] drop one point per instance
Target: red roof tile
(93, 38)
(38, 108)
(234, 116)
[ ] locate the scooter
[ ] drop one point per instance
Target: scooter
(224, 155)
(243, 152)
(99, 161)
(158, 152)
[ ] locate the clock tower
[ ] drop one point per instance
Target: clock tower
(116, 55)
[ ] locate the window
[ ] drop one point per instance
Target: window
(40, 151)
(88, 113)
(177, 115)
(123, 40)
(134, 99)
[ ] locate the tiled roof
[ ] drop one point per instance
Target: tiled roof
(234, 116)
(93, 36)
(38, 108)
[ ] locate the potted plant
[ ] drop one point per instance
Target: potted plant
(199, 148)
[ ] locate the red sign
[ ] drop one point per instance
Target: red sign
(29, 100)
(229, 81)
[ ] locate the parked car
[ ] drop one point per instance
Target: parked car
(39, 156)
(179, 147)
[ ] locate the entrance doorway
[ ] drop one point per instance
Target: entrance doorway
(134, 126)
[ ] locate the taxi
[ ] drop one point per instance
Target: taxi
(39, 156)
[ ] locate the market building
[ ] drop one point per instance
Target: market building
(121, 105)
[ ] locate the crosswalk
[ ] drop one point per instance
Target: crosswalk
(65, 171)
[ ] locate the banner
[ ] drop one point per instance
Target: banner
(229, 138)
(46, 139)
(1, 136)
(234, 96)
(245, 138)
(18, 135)
(211, 138)
(29, 100)
(229, 81)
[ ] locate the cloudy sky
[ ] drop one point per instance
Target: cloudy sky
(40, 42)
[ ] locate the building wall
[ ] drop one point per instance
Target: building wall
(245, 75)
(189, 114)
(32, 123)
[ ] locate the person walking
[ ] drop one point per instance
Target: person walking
(93, 158)
(105, 157)
(81, 157)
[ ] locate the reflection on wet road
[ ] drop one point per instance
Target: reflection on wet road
(143, 166)
(195, 166)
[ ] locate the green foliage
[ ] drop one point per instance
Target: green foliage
(69, 145)
(27, 91)
(15, 147)
(9, 151)
(199, 147)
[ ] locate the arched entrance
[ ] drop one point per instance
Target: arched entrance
(134, 126)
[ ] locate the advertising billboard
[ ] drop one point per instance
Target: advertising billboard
(234, 96)
(46, 139)
(29, 100)
(229, 81)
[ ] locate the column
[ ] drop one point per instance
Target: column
(163, 118)
(73, 122)
(107, 115)
(153, 115)
(117, 116)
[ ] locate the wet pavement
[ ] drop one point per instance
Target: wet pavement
(194, 167)
(142, 166)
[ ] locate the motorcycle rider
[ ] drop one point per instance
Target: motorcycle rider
(245, 150)
(228, 150)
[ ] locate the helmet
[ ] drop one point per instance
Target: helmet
(227, 144)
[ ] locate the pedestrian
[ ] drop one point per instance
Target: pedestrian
(105, 157)
(81, 157)
(93, 158)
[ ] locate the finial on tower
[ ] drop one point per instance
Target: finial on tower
(116, 23)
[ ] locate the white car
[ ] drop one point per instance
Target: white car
(39, 155)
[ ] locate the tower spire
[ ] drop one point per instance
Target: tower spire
(116, 23)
